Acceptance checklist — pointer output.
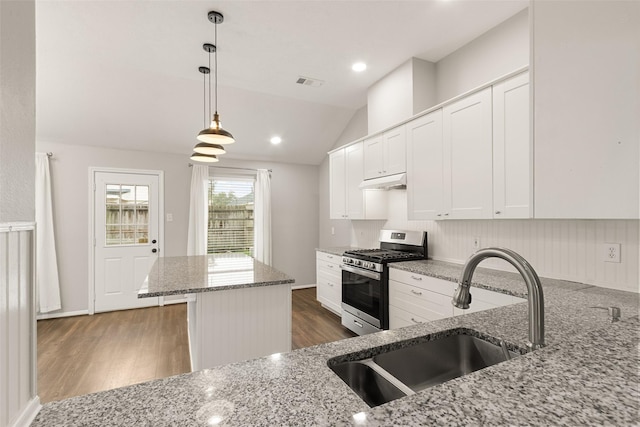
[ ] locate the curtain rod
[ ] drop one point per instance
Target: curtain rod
(231, 167)
(49, 154)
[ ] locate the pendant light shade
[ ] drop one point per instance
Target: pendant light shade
(205, 158)
(214, 134)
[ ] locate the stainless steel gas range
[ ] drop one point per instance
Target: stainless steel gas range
(365, 279)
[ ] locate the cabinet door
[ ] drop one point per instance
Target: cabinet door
(468, 157)
(424, 167)
(354, 175)
(373, 155)
(337, 185)
(394, 151)
(512, 159)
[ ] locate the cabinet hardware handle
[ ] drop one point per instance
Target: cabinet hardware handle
(414, 320)
(329, 265)
(330, 256)
(359, 324)
(439, 215)
(498, 212)
(384, 171)
(330, 284)
(416, 292)
(416, 277)
(447, 214)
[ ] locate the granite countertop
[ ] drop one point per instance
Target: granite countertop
(587, 375)
(337, 250)
(206, 273)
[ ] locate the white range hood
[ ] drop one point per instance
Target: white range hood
(388, 182)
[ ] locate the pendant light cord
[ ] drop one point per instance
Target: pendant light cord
(204, 99)
(216, 62)
(210, 84)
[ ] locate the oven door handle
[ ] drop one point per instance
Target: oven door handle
(366, 273)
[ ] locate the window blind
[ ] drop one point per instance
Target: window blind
(230, 222)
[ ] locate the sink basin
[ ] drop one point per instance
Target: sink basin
(392, 374)
(371, 386)
(434, 362)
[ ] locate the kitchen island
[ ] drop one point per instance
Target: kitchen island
(238, 308)
(587, 374)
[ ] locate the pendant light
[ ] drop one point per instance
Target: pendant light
(207, 148)
(214, 134)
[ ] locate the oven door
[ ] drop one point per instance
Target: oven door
(361, 294)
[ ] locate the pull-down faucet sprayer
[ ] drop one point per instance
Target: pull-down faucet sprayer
(461, 298)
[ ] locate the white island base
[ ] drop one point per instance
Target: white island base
(238, 324)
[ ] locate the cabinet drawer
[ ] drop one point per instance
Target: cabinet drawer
(475, 306)
(324, 257)
(494, 298)
(399, 318)
(423, 303)
(428, 283)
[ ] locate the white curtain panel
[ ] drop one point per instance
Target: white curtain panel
(47, 280)
(198, 211)
(262, 217)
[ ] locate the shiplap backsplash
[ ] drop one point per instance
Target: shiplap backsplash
(560, 249)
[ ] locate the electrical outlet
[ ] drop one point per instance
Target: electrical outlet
(611, 252)
(333, 231)
(476, 243)
(169, 217)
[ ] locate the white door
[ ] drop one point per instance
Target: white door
(468, 178)
(424, 167)
(394, 151)
(126, 233)
(337, 185)
(512, 166)
(354, 175)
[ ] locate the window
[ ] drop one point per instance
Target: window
(230, 223)
(127, 215)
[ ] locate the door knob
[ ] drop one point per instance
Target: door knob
(154, 241)
(154, 250)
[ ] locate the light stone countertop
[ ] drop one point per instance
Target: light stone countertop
(587, 375)
(337, 250)
(206, 273)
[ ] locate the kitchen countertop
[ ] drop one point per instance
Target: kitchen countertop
(587, 375)
(337, 250)
(206, 273)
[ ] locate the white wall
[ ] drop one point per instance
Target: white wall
(18, 399)
(17, 110)
(407, 90)
(70, 188)
(562, 249)
(294, 215)
(337, 232)
(497, 52)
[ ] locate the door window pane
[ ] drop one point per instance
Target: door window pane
(127, 214)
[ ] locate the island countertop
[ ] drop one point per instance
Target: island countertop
(207, 273)
(587, 375)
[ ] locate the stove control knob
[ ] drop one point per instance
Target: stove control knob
(358, 262)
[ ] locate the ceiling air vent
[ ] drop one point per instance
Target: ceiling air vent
(307, 81)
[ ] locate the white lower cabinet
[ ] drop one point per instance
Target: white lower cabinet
(329, 281)
(415, 298)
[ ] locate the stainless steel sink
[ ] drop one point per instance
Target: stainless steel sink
(389, 375)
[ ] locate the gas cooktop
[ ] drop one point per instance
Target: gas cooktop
(383, 255)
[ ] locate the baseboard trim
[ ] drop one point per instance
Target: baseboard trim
(28, 414)
(302, 287)
(44, 316)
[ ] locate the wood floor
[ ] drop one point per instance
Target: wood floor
(85, 354)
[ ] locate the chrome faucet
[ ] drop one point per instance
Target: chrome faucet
(462, 298)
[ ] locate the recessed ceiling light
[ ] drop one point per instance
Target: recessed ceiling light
(276, 140)
(359, 67)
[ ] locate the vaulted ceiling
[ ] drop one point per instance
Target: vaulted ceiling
(124, 74)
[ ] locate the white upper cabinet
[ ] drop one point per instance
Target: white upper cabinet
(468, 173)
(337, 185)
(587, 109)
(354, 176)
(346, 199)
(512, 159)
(373, 157)
(425, 167)
(385, 154)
